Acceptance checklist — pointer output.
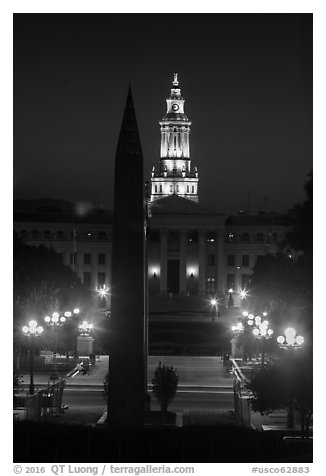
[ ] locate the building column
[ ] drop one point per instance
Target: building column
(164, 247)
(220, 284)
(202, 262)
(183, 262)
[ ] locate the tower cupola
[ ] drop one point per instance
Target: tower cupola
(175, 174)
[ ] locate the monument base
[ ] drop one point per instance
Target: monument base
(85, 345)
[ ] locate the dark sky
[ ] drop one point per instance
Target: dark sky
(246, 78)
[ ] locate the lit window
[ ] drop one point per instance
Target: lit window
(210, 285)
(211, 237)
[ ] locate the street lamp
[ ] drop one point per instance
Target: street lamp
(231, 300)
(56, 321)
(214, 303)
(74, 313)
(262, 332)
(32, 331)
(103, 291)
(290, 339)
(85, 328)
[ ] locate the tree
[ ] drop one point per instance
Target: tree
(282, 282)
(165, 384)
(42, 284)
(287, 384)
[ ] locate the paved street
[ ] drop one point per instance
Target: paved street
(203, 385)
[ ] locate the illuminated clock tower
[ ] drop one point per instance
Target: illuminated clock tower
(175, 174)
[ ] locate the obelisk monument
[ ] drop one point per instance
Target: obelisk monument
(127, 358)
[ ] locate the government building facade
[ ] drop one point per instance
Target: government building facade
(191, 250)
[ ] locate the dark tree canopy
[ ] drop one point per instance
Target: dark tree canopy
(43, 284)
(282, 283)
(286, 383)
(300, 236)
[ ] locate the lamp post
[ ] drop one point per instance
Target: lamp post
(85, 329)
(214, 303)
(262, 332)
(32, 331)
(290, 341)
(231, 300)
(56, 321)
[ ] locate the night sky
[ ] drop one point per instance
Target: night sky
(246, 78)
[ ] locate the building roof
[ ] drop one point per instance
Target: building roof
(254, 220)
(59, 211)
(175, 205)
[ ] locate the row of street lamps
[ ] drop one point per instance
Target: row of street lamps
(33, 330)
(262, 331)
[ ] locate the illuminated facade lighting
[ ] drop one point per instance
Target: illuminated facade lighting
(176, 174)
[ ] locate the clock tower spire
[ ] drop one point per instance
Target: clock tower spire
(175, 174)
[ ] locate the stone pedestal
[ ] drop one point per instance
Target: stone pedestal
(85, 345)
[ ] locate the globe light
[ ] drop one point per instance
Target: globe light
(39, 329)
(250, 322)
(76, 311)
(32, 324)
(47, 319)
(281, 339)
(62, 319)
(290, 332)
(245, 314)
(67, 314)
(55, 317)
(290, 335)
(255, 332)
(25, 329)
(299, 340)
(270, 332)
(213, 302)
(257, 320)
(264, 313)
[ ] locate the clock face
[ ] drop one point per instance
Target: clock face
(175, 107)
